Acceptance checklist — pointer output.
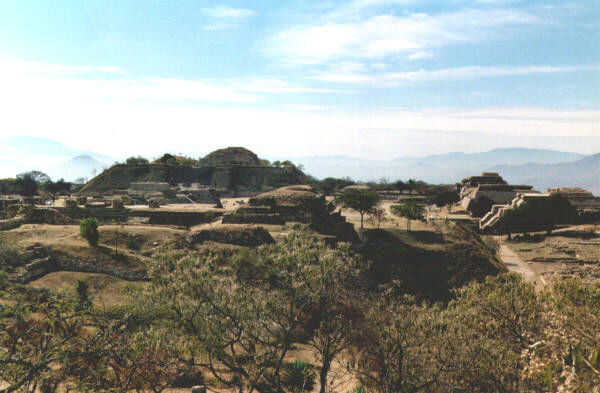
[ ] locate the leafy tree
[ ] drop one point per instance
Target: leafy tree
(362, 201)
(88, 228)
(331, 185)
(446, 198)
(377, 216)
(26, 184)
(245, 321)
(37, 176)
(58, 186)
(404, 348)
(136, 160)
(39, 345)
(168, 159)
(410, 210)
(399, 185)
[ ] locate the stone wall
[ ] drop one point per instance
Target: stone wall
(273, 219)
(56, 261)
(150, 186)
(166, 217)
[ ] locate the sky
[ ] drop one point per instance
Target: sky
(374, 79)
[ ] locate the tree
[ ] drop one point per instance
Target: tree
(27, 183)
(399, 185)
(362, 201)
(168, 159)
(136, 160)
(330, 185)
(58, 186)
(446, 198)
(38, 344)
(88, 228)
(403, 348)
(410, 210)
(246, 320)
(36, 176)
(377, 216)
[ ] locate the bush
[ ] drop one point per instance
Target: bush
(139, 160)
(298, 376)
(132, 243)
(9, 257)
(88, 228)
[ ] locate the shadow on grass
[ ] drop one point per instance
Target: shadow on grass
(429, 274)
(576, 234)
(427, 237)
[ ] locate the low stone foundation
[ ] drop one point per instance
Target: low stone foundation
(273, 219)
(54, 261)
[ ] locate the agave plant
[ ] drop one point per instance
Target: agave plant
(298, 376)
(358, 389)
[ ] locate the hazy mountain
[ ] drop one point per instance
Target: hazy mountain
(583, 173)
(22, 146)
(514, 156)
(26, 153)
(439, 168)
(80, 166)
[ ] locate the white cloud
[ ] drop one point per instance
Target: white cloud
(25, 81)
(381, 36)
(223, 17)
(121, 117)
(398, 78)
(419, 55)
(13, 66)
(223, 12)
(119, 128)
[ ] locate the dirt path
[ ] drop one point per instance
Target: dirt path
(514, 263)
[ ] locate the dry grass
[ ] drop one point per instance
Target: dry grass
(104, 290)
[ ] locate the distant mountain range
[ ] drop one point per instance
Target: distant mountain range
(583, 173)
(26, 153)
(439, 168)
(540, 168)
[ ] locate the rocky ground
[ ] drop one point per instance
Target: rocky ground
(568, 252)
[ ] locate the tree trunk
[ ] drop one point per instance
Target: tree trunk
(361, 221)
(323, 375)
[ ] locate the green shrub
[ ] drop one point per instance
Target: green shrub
(3, 282)
(298, 376)
(9, 257)
(88, 228)
(83, 299)
(132, 243)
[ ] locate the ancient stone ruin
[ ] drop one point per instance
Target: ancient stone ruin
(490, 187)
(582, 200)
(233, 171)
(293, 204)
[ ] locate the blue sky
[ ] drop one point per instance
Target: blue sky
(368, 78)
